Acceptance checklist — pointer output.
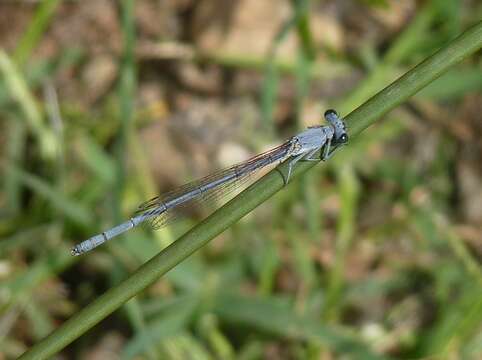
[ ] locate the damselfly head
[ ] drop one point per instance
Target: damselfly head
(338, 124)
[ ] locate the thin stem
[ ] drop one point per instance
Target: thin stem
(358, 120)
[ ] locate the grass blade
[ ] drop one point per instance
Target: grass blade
(17, 86)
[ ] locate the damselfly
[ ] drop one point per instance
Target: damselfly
(158, 211)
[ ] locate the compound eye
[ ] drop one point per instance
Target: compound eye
(343, 138)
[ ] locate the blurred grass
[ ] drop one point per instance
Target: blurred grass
(274, 316)
(18, 88)
(349, 189)
(35, 30)
(189, 313)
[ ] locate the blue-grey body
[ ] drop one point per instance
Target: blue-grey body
(302, 146)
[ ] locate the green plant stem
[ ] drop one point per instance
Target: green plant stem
(358, 120)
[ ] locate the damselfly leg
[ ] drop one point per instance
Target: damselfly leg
(305, 157)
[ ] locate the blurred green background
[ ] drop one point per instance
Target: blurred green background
(105, 104)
